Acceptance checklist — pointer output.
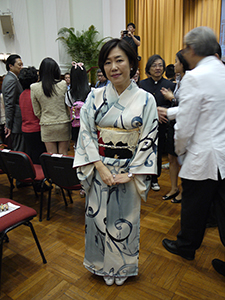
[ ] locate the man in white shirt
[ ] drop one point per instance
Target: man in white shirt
(200, 138)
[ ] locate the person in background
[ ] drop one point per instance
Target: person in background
(2, 117)
(102, 81)
(115, 158)
(200, 141)
(170, 113)
(136, 77)
(170, 73)
(155, 67)
(48, 100)
(133, 40)
(67, 80)
(75, 98)
(30, 123)
(77, 94)
(180, 68)
(11, 90)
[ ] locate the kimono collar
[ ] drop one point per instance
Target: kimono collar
(130, 87)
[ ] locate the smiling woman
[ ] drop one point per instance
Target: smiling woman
(115, 156)
(117, 69)
(118, 63)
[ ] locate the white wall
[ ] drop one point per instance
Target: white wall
(114, 17)
(37, 23)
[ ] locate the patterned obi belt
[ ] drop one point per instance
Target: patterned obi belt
(116, 142)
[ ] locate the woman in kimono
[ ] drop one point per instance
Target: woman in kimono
(115, 154)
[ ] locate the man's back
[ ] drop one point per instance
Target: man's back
(200, 128)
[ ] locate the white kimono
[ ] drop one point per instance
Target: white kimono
(114, 123)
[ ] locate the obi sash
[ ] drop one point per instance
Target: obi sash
(116, 142)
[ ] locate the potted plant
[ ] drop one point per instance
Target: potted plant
(82, 47)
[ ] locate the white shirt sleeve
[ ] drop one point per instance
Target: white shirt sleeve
(188, 113)
(172, 112)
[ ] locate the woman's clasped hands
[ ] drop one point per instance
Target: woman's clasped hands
(122, 178)
(109, 178)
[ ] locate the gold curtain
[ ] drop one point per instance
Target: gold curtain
(130, 8)
(162, 24)
(202, 13)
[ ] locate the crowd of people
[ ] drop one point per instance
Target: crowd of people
(120, 130)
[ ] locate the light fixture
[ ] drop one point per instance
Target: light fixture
(4, 56)
(6, 20)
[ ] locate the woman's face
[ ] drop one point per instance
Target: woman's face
(117, 69)
(178, 67)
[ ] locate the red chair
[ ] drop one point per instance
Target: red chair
(58, 169)
(19, 166)
(20, 216)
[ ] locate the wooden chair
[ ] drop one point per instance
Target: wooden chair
(18, 165)
(58, 170)
(20, 216)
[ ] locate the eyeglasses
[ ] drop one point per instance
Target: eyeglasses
(154, 66)
(100, 75)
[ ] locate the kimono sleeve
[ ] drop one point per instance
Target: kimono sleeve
(144, 160)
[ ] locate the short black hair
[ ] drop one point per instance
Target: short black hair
(125, 47)
(11, 60)
(170, 71)
(132, 24)
(151, 61)
(67, 73)
(28, 76)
